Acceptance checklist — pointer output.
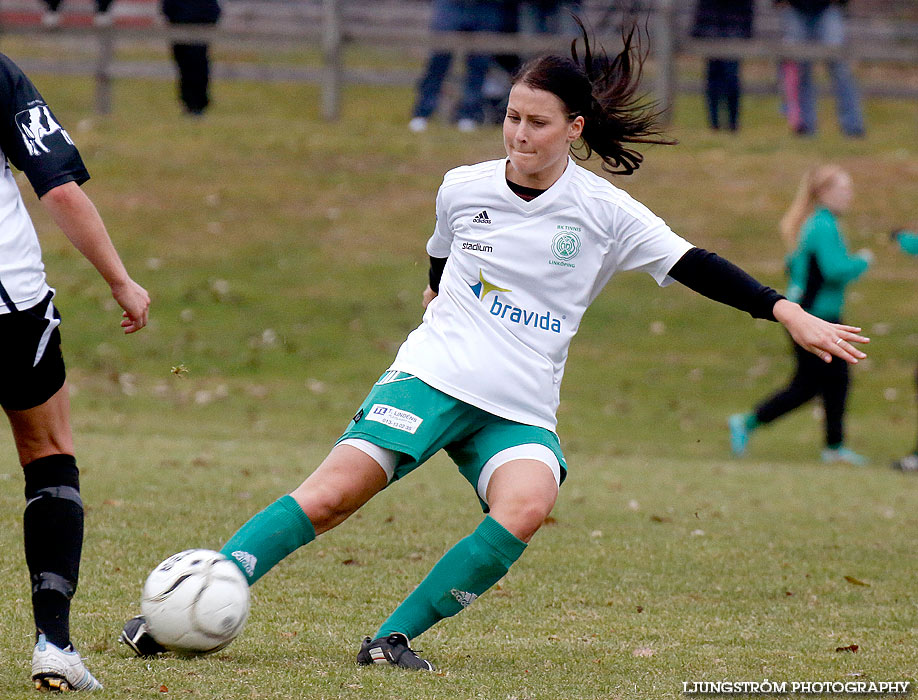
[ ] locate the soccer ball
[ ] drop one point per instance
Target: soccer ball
(195, 602)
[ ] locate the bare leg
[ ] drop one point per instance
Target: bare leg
(345, 480)
(521, 495)
(43, 430)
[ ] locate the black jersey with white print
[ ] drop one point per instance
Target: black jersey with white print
(32, 140)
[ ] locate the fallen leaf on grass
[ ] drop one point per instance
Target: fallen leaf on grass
(855, 581)
(661, 519)
(851, 647)
(350, 562)
(163, 689)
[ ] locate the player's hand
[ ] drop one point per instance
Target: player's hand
(820, 337)
(136, 304)
(429, 296)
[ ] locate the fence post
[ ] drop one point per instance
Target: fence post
(331, 54)
(665, 50)
(103, 96)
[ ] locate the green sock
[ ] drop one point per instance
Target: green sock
(751, 422)
(268, 537)
(466, 571)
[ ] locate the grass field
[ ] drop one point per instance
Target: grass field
(285, 259)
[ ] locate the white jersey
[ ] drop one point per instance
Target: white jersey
(33, 140)
(22, 273)
(519, 277)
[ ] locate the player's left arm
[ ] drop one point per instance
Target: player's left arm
(78, 218)
(34, 141)
(716, 278)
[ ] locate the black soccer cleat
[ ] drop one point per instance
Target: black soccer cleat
(392, 650)
(137, 637)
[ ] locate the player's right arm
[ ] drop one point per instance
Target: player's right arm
(438, 247)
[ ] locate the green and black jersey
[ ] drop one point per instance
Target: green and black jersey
(820, 268)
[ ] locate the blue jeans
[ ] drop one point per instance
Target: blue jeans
(541, 17)
(825, 27)
(458, 16)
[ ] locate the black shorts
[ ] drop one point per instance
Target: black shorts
(31, 363)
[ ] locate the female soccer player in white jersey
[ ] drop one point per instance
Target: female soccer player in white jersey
(33, 390)
(521, 247)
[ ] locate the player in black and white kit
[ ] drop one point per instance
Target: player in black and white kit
(33, 390)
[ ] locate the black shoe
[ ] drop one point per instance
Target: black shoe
(136, 635)
(391, 650)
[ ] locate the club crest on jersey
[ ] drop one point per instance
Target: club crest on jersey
(565, 246)
(482, 217)
(35, 126)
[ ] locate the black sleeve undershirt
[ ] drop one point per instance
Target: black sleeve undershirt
(436, 272)
(701, 271)
(718, 279)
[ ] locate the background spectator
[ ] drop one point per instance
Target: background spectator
(457, 16)
(192, 59)
(820, 21)
(726, 19)
(908, 242)
(528, 17)
(548, 16)
(52, 17)
(820, 268)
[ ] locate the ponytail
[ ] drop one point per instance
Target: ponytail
(604, 92)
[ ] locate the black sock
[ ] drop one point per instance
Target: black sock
(53, 533)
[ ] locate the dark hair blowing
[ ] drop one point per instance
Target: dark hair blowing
(603, 91)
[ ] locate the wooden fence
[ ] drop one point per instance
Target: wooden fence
(333, 25)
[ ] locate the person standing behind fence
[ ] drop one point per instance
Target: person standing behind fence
(908, 242)
(457, 16)
(820, 268)
(723, 19)
(528, 17)
(823, 22)
(192, 59)
(52, 17)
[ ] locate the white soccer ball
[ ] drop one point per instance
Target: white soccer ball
(195, 602)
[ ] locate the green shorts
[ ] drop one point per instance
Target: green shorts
(405, 415)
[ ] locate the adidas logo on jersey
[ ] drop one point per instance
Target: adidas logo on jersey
(247, 560)
(464, 598)
(481, 217)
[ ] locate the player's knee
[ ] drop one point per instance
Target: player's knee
(524, 515)
(324, 507)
